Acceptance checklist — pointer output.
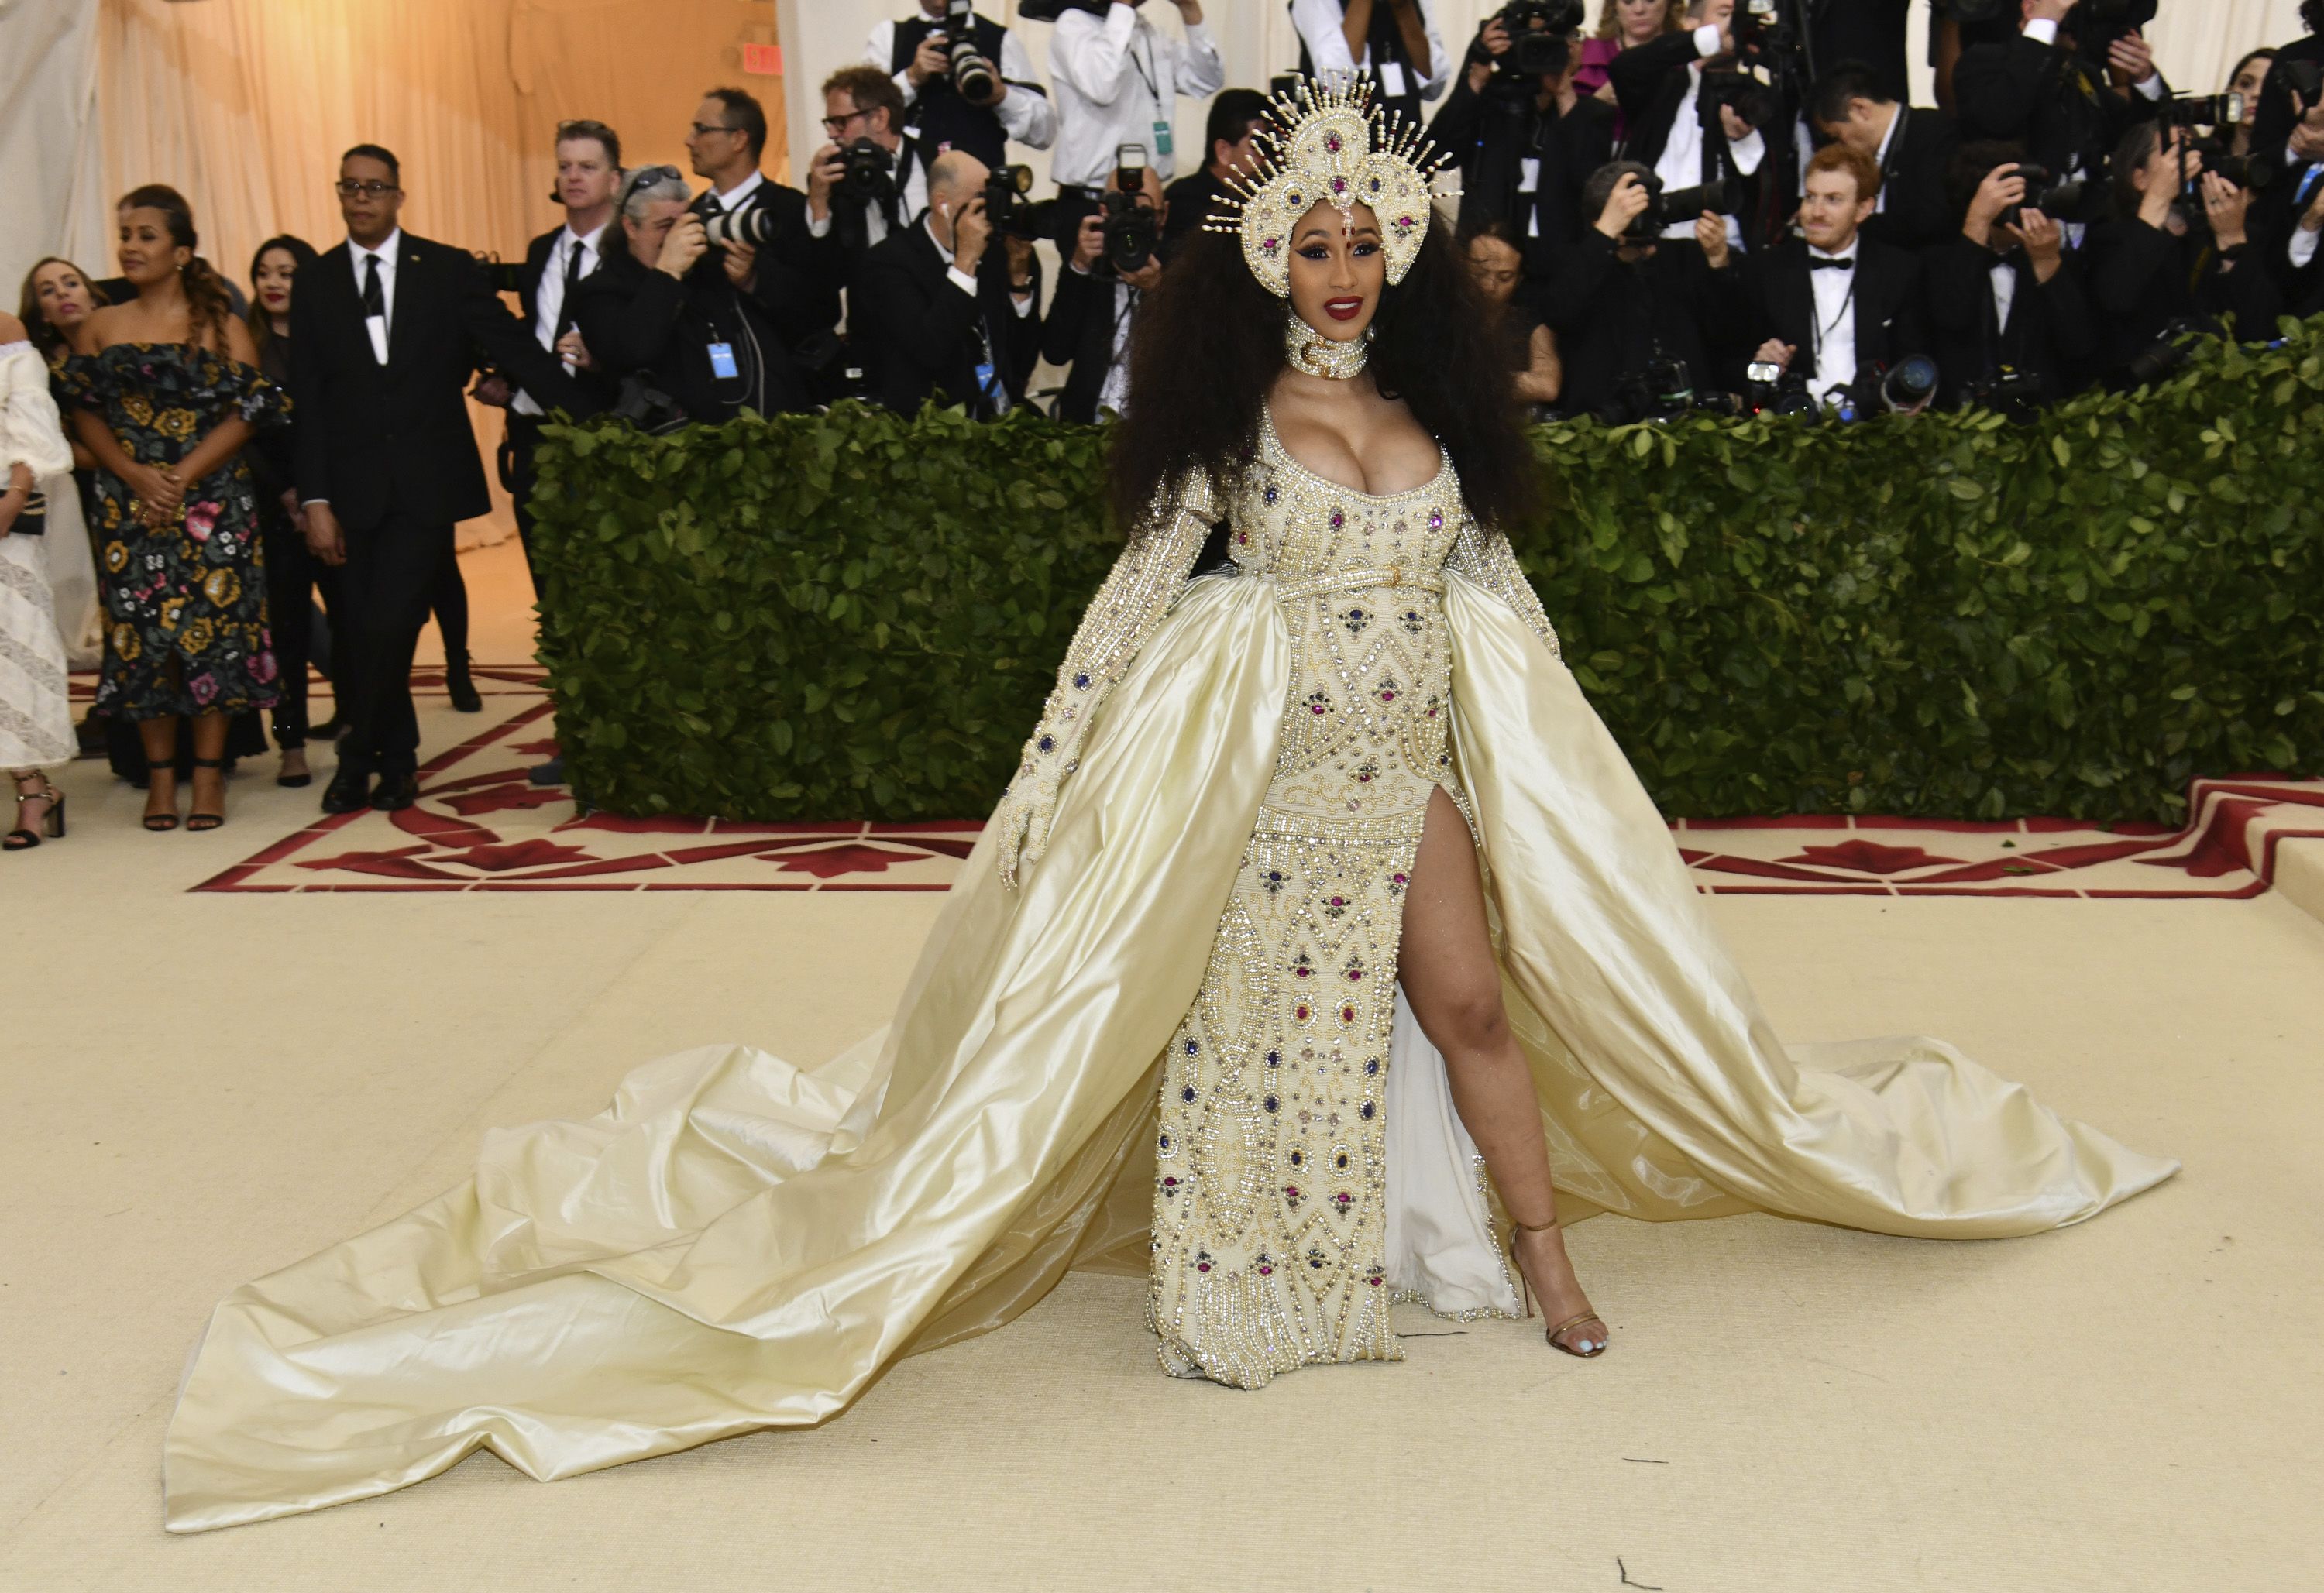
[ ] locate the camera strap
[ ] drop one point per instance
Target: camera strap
(1149, 73)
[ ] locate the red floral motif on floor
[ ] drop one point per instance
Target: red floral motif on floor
(481, 824)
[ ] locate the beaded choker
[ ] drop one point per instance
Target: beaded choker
(1310, 351)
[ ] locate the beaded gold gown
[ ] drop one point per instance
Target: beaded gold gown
(1168, 1044)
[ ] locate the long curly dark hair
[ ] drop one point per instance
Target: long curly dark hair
(302, 255)
(1209, 345)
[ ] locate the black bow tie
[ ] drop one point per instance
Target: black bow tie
(1817, 262)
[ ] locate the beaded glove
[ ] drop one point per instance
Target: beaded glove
(1146, 579)
(1486, 557)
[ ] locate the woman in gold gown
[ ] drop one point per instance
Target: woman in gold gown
(1321, 892)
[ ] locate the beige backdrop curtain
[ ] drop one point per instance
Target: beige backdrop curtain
(245, 105)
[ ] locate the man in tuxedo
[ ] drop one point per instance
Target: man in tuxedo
(944, 315)
(1912, 149)
(2288, 126)
(1231, 136)
(1619, 302)
(783, 272)
(385, 332)
(1096, 309)
(1526, 148)
(1659, 87)
(2005, 299)
(862, 102)
(1852, 305)
(2038, 90)
(588, 171)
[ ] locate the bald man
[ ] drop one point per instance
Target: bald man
(945, 310)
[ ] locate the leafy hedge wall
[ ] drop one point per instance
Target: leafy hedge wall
(857, 614)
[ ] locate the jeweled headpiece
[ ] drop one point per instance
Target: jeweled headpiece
(1331, 146)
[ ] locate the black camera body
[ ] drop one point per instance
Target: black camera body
(1049, 11)
(1541, 36)
(1131, 229)
(973, 75)
(505, 276)
(1011, 212)
(1662, 389)
(1668, 206)
(2096, 24)
(2076, 201)
(2014, 394)
(868, 175)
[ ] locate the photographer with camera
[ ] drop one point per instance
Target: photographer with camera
(2076, 78)
(1637, 317)
(1852, 303)
(757, 229)
(1118, 81)
(1684, 104)
(2176, 259)
(1912, 151)
(2288, 125)
(1397, 41)
(2013, 321)
(871, 181)
(967, 82)
(687, 347)
(1231, 136)
(1115, 264)
(1526, 139)
(940, 312)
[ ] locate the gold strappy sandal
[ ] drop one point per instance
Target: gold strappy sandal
(1525, 1284)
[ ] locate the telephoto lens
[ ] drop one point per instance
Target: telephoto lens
(749, 226)
(1907, 388)
(973, 74)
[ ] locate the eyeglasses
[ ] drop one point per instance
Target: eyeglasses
(369, 191)
(703, 129)
(835, 126)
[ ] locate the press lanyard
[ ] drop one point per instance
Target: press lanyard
(1151, 76)
(1821, 328)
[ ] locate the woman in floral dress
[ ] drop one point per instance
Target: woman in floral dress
(166, 391)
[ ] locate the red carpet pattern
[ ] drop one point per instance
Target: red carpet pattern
(482, 825)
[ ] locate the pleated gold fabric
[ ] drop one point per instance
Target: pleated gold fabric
(738, 1244)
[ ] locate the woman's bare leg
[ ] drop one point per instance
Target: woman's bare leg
(1449, 975)
(160, 740)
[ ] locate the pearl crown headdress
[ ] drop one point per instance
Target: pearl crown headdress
(1335, 146)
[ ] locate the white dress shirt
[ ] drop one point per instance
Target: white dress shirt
(2303, 247)
(1116, 78)
(378, 326)
(2004, 276)
(548, 294)
(1880, 158)
(735, 198)
(1681, 164)
(1318, 22)
(1834, 308)
(1113, 393)
(1026, 115)
(911, 201)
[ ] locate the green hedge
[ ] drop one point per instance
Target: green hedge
(857, 614)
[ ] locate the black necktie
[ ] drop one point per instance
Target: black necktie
(1817, 262)
(572, 280)
(711, 207)
(375, 300)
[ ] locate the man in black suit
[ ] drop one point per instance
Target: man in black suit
(2037, 90)
(1869, 32)
(2289, 128)
(1526, 147)
(385, 333)
(1851, 304)
(1232, 137)
(944, 315)
(1619, 302)
(1669, 130)
(1096, 309)
(783, 272)
(588, 171)
(2005, 299)
(1912, 148)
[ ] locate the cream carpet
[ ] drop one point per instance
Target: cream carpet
(197, 1089)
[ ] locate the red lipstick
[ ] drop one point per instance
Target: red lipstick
(1344, 310)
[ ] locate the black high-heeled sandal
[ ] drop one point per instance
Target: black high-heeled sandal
(199, 819)
(23, 839)
(157, 821)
